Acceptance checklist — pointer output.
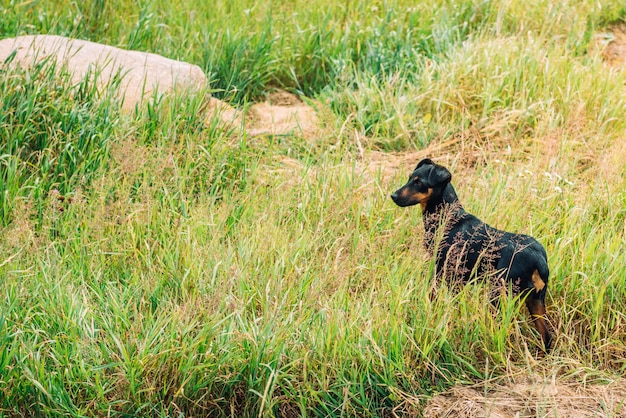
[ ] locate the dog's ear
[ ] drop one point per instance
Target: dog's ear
(424, 162)
(439, 176)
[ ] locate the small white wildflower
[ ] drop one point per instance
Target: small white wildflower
(548, 175)
(558, 189)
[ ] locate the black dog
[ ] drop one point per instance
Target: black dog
(466, 247)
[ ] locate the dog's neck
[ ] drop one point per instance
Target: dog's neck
(442, 212)
(443, 200)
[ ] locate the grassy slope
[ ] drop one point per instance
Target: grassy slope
(201, 271)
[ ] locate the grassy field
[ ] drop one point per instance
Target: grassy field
(155, 265)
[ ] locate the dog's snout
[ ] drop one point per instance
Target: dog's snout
(394, 195)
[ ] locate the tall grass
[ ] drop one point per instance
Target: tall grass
(54, 134)
(248, 46)
(156, 264)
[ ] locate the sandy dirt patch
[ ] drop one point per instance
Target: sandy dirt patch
(282, 113)
(541, 398)
(466, 149)
(613, 45)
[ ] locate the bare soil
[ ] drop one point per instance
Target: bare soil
(281, 114)
(527, 398)
(613, 45)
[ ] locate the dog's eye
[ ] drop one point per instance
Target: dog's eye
(418, 182)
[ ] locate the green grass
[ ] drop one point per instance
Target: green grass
(152, 264)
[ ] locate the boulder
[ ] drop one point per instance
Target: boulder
(143, 74)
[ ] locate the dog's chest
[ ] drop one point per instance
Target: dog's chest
(464, 247)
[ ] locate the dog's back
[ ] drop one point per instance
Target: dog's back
(475, 248)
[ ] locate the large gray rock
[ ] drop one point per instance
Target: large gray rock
(144, 74)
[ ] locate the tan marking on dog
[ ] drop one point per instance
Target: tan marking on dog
(423, 198)
(538, 281)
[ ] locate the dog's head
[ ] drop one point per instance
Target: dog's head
(427, 179)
